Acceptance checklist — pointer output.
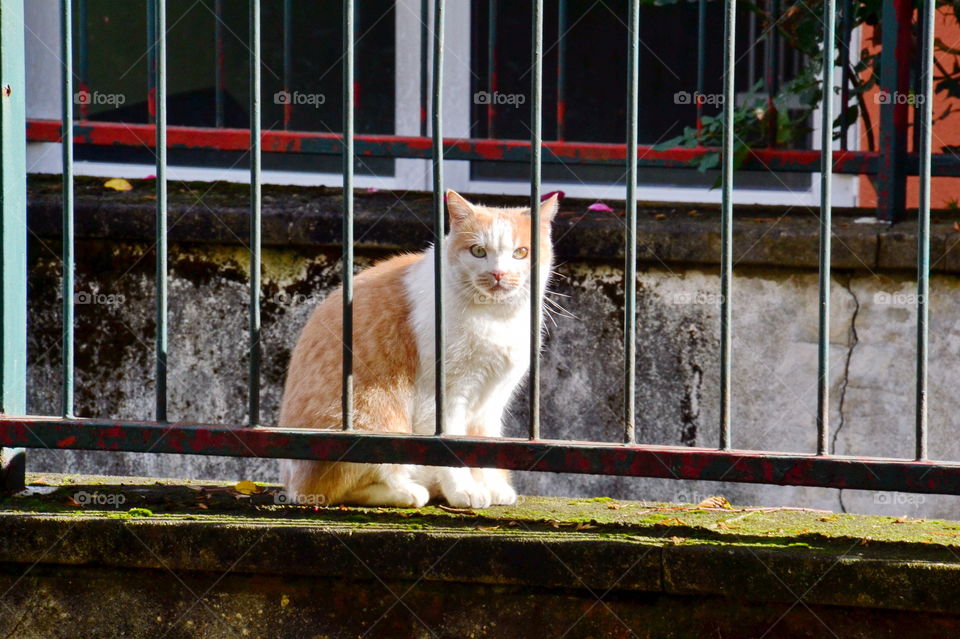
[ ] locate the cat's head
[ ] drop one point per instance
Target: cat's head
(489, 250)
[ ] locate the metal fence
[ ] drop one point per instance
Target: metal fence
(725, 463)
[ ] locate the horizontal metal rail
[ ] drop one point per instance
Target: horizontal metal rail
(398, 146)
(668, 462)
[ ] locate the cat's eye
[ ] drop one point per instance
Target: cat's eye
(521, 253)
(478, 251)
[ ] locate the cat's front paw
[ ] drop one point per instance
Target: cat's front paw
(502, 494)
(468, 496)
(412, 495)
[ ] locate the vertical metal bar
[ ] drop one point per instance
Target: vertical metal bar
(347, 259)
(218, 67)
(151, 61)
(630, 268)
(701, 60)
(424, 54)
(923, 235)
(13, 235)
(846, 30)
(752, 53)
(562, 71)
(770, 79)
(491, 110)
(896, 39)
(287, 60)
(66, 142)
(536, 121)
(160, 85)
(440, 371)
(726, 224)
(826, 227)
(83, 55)
(254, 212)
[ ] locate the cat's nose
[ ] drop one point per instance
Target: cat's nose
(497, 275)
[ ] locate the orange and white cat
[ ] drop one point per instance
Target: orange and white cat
(487, 303)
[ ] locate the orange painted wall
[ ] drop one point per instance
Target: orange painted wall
(946, 132)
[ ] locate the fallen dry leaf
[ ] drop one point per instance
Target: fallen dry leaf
(660, 216)
(717, 501)
(829, 518)
(585, 526)
(614, 506)
(118, 184)
(247, 487)
(203, 506)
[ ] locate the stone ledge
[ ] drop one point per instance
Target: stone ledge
(668, 233)
(747, 555)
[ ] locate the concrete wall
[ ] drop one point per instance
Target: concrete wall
(775, 364)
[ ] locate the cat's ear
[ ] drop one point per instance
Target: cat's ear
(460, 210)
(548, 209)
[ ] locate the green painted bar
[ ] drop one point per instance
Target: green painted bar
(492, 64)
(440, 371)
(254, 382)
(288, 58)
(630, 267)
(347, 259)
(83, 48)
(923, 222)
(218, 63)
(424, 53)
(66, 147)
(160, 85)
(151, 61)
(13, 234)
(536, 122)
(562, 28)
(726, 224)
(826, 228)
(701, 56)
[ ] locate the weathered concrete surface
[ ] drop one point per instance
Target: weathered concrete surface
(775, 333)
(142, 559)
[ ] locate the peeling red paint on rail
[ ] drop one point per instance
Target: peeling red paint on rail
(395, 146)
(668, 462)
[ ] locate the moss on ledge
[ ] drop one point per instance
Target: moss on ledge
(719, 523)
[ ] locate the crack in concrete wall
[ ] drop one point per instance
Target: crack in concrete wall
(854, 339)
